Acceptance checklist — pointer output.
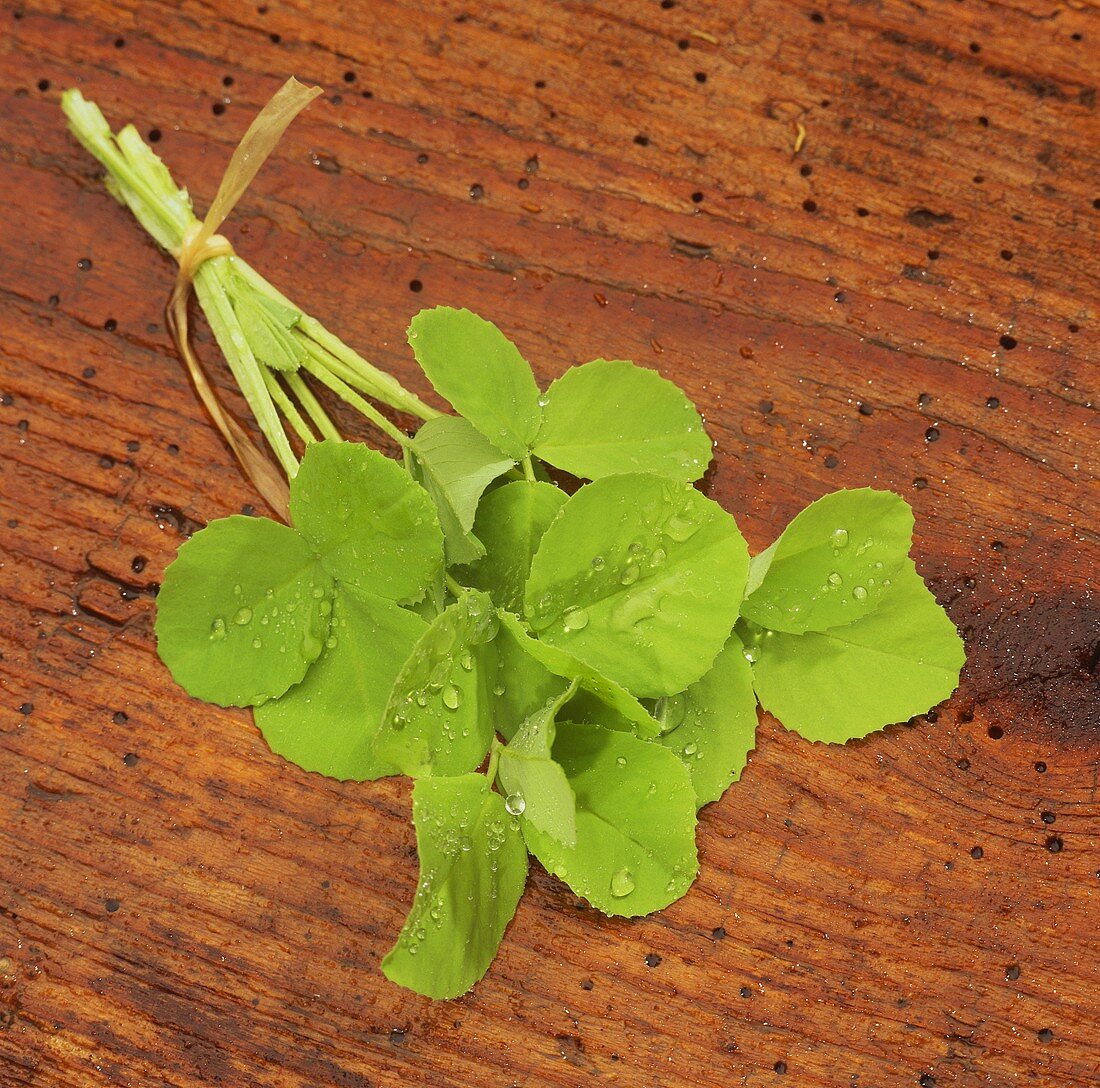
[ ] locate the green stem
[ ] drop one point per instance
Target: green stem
(456, 588)
(312, 405)
(528, 469)
(238, 354)
(287, 406)
(346, 393)
(494, 758)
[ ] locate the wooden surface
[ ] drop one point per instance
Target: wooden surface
(898, 209)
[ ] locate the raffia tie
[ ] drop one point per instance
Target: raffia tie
(201, 242)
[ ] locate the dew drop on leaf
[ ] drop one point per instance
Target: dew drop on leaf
(217, 629)
(243, 616)
(515, 804)
(622, 883)
(859, 593)
(839, 538)
(629, 575)
(835, 579)
(576, 619)
(452, 697)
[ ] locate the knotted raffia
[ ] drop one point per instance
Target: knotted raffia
(201, 242)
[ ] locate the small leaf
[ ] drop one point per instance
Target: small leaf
(510, 523)
(712, 725)
(439, 715)
(455, 464)
(371, 525)
(475, 367)
(473, 866)
(640, 578)
(534, 784)
(830, 565)
(243, 612)
(896, 662)
(540, 668)
(328, 722)
(635, 816)
(610, 416)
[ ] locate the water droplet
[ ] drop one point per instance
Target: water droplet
(217, 629)
(629, 575)
(498, 688)
(622, 883)
(598, 562)
(256, 644)
(859, 593)
(421, 698)
(544, 400)
(466, 661)
(452, 697)
(691, 749)
(330, 642)
(840, 538)
(636, 547)
(750, 654)
(621, 760)
(576, 619)
(681, 527)
(515, 804)
(465, 843)
(318, 593)
(243, 616)
(658, 557)
(835, 579)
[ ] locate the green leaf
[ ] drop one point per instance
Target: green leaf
(712, 725)
(473, 866)
(538, 666)
(831, 563)
(371, 524)
(439, 715)
(475, 367)
(896, 662)
(455, 464)
(610, 416)
(534, 783)
(510, 523)
(640, 577)
(635, 815)
(328, 722)
(243, 611)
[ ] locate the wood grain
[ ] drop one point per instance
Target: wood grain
(794, 211)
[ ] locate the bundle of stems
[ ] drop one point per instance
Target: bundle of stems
(266, 339)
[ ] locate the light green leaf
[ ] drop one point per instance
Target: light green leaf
(439, 716)
(372, 526)
(635, 816)
(610, 416)
(473, 866)
(243, 611)
(455, 464)
(896, 662)
(540, 681)
(510, 523)
(475, 367)
(830, 565)
(329, 721)
(534, 784)
(712, 725)
(640, 577)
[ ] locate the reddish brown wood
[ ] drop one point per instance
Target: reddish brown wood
(180, 907)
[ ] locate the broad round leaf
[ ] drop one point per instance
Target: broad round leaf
(712, 725)
(473, 866)
(635, 822)
(533, 671)
(831, 686)
(328, 722)
(475, 367)
(610, 416)
(641, 578)
(439, 715)
(832, 562)
(371, 525)
(510, 523)
(243, 612)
